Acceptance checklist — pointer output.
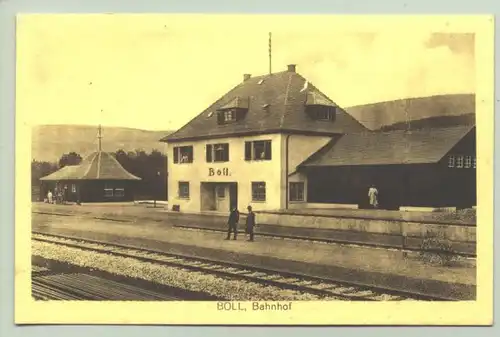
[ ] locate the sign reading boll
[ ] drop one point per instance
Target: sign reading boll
(219, 172)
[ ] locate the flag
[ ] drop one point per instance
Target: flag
(305, 86)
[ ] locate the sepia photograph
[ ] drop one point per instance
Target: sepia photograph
(241, 169)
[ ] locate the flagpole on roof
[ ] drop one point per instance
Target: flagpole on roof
(99, 136)
(269, 53)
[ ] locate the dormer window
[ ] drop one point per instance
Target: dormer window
(320, 107)
(233, 111)
(321, 112)
(229, 116)
(325, 114)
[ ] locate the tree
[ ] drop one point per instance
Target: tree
(41, 169)
(150, 167)
(69, 159)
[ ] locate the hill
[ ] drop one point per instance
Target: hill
(432, 122)
(49, 142)
(378, 115)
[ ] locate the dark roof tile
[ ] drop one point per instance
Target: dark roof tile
(276, 103)
(97, 166)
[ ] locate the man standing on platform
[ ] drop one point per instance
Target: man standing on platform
(250, 222)
(232, 223)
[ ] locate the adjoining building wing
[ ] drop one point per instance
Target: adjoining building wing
(388, 148)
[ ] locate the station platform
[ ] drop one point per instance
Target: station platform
(363, 265)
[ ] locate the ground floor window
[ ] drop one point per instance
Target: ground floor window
(258, 191)
(297, 191)
(119, 192)
(73, 188)
(108, 191)
(183, 189)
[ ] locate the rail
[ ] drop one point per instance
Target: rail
(329, 288)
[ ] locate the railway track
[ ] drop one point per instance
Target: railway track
(325, 288)
(79, 286)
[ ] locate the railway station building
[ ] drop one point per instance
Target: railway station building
(277, 142)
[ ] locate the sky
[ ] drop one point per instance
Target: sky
(157, 72)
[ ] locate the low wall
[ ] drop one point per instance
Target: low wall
(453, 232)
(378, 232)
(306, 205)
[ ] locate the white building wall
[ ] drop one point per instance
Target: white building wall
(238, 170)
(300, 147)
(242, 172)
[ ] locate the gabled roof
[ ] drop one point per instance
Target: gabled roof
(385, 148)
(97, 166)
(276, 103)
(317, 98)
(236, 103)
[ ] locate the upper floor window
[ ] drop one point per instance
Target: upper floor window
(460, 161)
(297, 191)
(217, 153)
(468, 161)
(183, 154)
(258, 150)
(451, 161)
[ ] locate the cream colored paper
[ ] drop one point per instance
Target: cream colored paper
(54, 50)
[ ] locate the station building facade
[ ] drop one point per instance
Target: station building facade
(277, 142)
(243, 149)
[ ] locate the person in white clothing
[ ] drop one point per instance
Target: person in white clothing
(49, 197)
(373, 196)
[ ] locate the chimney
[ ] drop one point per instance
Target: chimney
(291, 68)
(246, 77)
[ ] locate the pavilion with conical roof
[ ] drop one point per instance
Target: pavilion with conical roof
(98, 178)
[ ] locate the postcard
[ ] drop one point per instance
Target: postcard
(254, 169)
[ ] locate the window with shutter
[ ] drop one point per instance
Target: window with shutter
(217, 153)
(209, 153)
(183, 154)
(248, 150)
(258, 150)
(176, 155)
(268, 151)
